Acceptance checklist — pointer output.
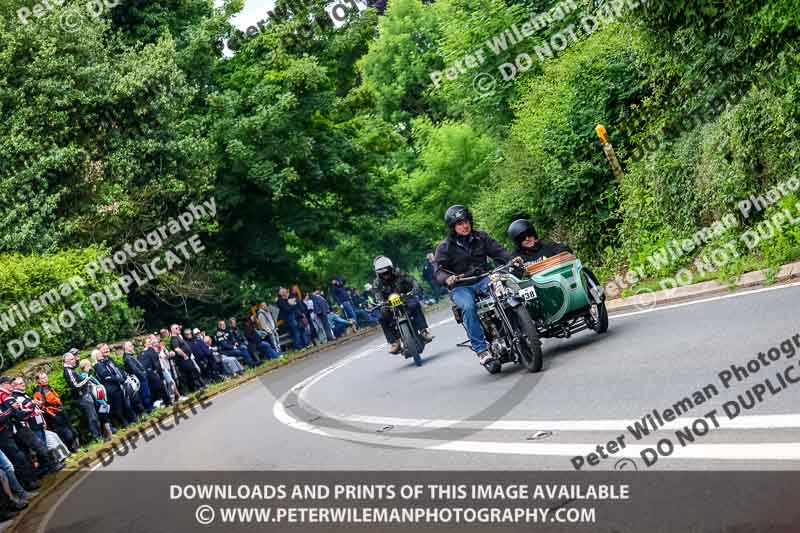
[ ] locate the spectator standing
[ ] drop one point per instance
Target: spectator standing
(134, 367)
(21, 417)
(429, 275)
(80, 387)
(168, 371)
(54, 414)
(151, 362)
(322, 310)
(183, 359)
(342, 298)
(113, 380)
(319, 327)
(291, 314)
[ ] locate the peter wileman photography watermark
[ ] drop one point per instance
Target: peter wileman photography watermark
(26, 311)
(719, 256)
(146, 433)
(769, 361)
(484, 83)
(69, 19)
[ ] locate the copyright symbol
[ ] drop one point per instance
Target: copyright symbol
(71, 20)
(644, 299)
(625, 464)
(484, 83)
(204, 515)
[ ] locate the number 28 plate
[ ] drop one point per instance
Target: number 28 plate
(528, 293)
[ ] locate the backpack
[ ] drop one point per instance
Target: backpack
(132, 385)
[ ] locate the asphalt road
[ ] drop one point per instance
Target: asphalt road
(358, 407)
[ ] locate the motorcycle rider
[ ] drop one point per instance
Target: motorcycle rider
(465, 252)
(388, 281)
(529, 246)
(533, 250)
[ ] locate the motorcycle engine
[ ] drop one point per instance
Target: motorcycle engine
(499, 347)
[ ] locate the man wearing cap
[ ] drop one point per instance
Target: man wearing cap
(80, 389)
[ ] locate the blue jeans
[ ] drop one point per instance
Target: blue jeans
(8, 470)
(464, 298)
(349, 312)
(266, 349)
(297, 335)
(338, 324)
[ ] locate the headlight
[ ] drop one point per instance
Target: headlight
(500, 290)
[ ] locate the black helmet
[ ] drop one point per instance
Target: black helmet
(521, 228)
(456, 213)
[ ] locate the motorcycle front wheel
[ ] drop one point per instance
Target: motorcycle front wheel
(531, 347)
(411, 343)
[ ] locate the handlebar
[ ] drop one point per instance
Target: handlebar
(462, 277)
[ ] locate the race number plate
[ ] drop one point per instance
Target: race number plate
(528, 293)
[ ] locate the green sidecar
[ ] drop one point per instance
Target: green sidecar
(561, 296)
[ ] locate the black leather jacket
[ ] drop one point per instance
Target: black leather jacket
(541, 250)
(467, 255)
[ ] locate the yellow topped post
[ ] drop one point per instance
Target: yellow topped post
(608, 150)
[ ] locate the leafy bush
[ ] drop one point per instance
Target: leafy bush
(553, 168)
(24, 278)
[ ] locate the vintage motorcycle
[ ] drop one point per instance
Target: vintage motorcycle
(550, 298)
(411, 343)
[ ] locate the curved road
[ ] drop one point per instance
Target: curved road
(356, 407)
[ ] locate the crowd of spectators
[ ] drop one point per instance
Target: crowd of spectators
(37, 434)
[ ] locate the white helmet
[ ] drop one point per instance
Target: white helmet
(381, 264)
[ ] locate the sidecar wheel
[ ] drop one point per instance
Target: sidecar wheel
(598, 318)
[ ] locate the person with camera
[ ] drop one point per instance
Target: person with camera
(54, 415)
(80, 387)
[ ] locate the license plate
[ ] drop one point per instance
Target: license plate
(528, 293)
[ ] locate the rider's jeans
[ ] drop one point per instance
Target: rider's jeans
(414, 309)
(464, 297)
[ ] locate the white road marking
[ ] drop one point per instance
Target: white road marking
(779, 451)
(736, 451)
(787, 421)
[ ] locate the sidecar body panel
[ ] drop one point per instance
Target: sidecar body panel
(560, 288)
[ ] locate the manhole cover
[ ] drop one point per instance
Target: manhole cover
(539, 435)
